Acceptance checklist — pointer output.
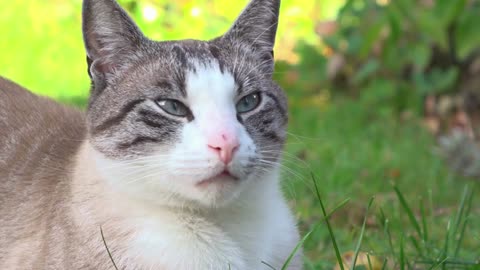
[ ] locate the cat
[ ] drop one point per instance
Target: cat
(174, 164)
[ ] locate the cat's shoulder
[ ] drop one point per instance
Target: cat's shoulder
(10, 91)
(17, 100)
(20, 108)
(14, 95)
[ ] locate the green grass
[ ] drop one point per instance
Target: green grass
(357, 154)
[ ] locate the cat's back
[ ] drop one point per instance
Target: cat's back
(34, 128)
(38, 139)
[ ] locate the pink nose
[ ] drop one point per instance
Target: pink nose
(225, 146)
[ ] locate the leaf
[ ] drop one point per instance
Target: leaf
(395, 21)
(367, 70)
(448, 11)
(443, 80)
(466, 35)
(372, 36)
(421, 54)
(379, 91)
(436, 81)
(428, 23)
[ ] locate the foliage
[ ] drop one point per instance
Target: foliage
(406, 49)
(390, 54)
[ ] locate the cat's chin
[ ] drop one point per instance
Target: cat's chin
(217, 179)
(216, 191)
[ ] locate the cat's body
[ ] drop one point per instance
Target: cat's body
(39, 139)
(175, 160)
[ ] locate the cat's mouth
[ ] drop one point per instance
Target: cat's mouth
(222, 177)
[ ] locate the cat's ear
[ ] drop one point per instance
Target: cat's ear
(110, 36)
(257, 26)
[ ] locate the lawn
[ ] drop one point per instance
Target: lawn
(357, 155)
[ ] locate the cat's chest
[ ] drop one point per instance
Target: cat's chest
(230, 241)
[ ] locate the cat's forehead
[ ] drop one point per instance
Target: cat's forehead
(183, 54)
(208, 85)
(194, 66)
(190, 55)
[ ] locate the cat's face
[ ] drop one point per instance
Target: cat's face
(185, 121)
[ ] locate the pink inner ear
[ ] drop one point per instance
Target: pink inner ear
(102, 66)
(105, 50)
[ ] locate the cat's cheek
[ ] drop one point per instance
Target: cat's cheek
(243, 160)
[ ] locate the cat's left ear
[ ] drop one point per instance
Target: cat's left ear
(111, 39)
(257, 27)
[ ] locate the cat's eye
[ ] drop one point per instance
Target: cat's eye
(248, 103)
(173, 107)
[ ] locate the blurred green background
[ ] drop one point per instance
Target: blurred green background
(372, 86)
(42, 45)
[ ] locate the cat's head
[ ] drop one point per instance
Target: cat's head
(184, 121)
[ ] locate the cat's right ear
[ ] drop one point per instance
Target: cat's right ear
(111, 39)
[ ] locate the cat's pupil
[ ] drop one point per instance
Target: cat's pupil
(175, 106)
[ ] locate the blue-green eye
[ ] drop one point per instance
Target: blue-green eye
(173, 107)
(248, 103)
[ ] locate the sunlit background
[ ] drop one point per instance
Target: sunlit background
(384, 102)
(42, 45)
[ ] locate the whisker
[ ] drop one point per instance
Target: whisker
(288, 157)
(281, 166)
(298, 137)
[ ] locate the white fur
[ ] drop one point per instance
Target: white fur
(236, 224)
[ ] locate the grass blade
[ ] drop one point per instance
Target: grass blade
(384, 265)
(390, 241)
(402, 255)
(461, 209)
(360, 238)
(381, 217)
(297, 247)
(340, 205)
(424, 226)
(369, 262)
(108, 250)
(263, 262)
(299, 244)
(416, 245)
(409, 211)
(447, 242)
(465, 222)
(329, 227)
(437, 264)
